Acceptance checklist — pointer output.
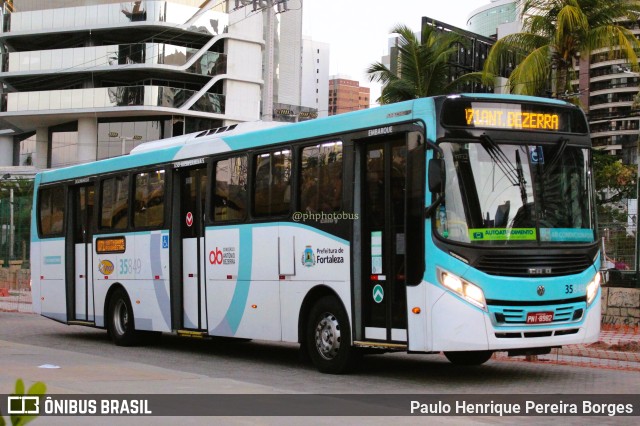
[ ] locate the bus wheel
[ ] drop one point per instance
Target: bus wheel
(469, 357)
(121, 324)
(329, 337)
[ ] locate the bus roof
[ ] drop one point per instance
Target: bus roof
(242, 136)
(256, 134)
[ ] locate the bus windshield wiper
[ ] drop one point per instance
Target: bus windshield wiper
(557, 155)
(500, 159)
(522, 183)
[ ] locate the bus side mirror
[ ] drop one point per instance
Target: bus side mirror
(436, 175)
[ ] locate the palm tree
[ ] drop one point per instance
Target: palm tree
(423, 67)
(557, 33)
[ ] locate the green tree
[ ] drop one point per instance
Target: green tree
(614, 181)
(423, 65)
(555, 34)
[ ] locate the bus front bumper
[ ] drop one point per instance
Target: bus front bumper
(459, 326)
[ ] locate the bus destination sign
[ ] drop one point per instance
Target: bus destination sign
(509, 119)
(523, 116)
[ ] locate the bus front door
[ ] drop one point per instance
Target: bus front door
(193, 189)
(383, 289)
(80, 296)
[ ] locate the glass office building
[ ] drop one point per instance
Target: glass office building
(87, 80)
(487, 19)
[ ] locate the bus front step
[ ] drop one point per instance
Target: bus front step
(193, 334)
(80, 322)
(381, 345)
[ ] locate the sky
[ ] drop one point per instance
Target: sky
(357, 30)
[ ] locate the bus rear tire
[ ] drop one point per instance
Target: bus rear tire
(329, 337)
(121, 325)
(468, 357)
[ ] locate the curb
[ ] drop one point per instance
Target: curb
(600, 354)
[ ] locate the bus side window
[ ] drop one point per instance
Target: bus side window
(321, 178)
(230, 191)
(114, 203)
(272, 183)
(51, 206)
(149, 199)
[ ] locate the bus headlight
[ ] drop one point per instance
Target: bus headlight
(469, 292)
(592, 288)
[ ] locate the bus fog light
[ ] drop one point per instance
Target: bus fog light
(468, 291)
(592, 288)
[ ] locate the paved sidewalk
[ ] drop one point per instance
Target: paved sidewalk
(15, 301)
(621, 345)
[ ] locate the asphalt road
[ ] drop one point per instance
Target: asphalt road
(90, 363)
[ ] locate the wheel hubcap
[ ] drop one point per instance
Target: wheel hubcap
(328, 336)
(120, 317)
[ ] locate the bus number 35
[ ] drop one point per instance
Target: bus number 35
(130, 266)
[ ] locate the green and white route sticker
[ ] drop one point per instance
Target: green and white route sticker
(502, 234)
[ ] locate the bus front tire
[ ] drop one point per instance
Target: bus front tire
(329, 337)
(121, 324)
(468, 357)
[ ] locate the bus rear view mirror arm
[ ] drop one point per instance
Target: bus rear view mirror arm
(436, 183)
(436, 175)
(436, 202)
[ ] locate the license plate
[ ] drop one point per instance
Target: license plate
(539, 317)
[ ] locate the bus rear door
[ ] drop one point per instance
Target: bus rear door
(193, 183)
(79, 243)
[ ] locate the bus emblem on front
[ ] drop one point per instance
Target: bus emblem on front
(540, 271)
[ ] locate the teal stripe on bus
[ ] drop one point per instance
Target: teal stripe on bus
(124, 162)
(231, 321)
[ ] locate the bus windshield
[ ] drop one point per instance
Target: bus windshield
(503, 194)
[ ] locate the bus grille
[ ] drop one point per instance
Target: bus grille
(533, 265)
(517, 315)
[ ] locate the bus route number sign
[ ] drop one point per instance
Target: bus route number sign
(539, 317)
(111, 245)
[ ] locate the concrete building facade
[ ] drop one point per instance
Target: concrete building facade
(607, 88)
(300, 70)
(92, 81)
(88, 80)
(346, 95)
(315, 75)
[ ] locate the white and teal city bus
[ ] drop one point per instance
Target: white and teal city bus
(461, 224)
